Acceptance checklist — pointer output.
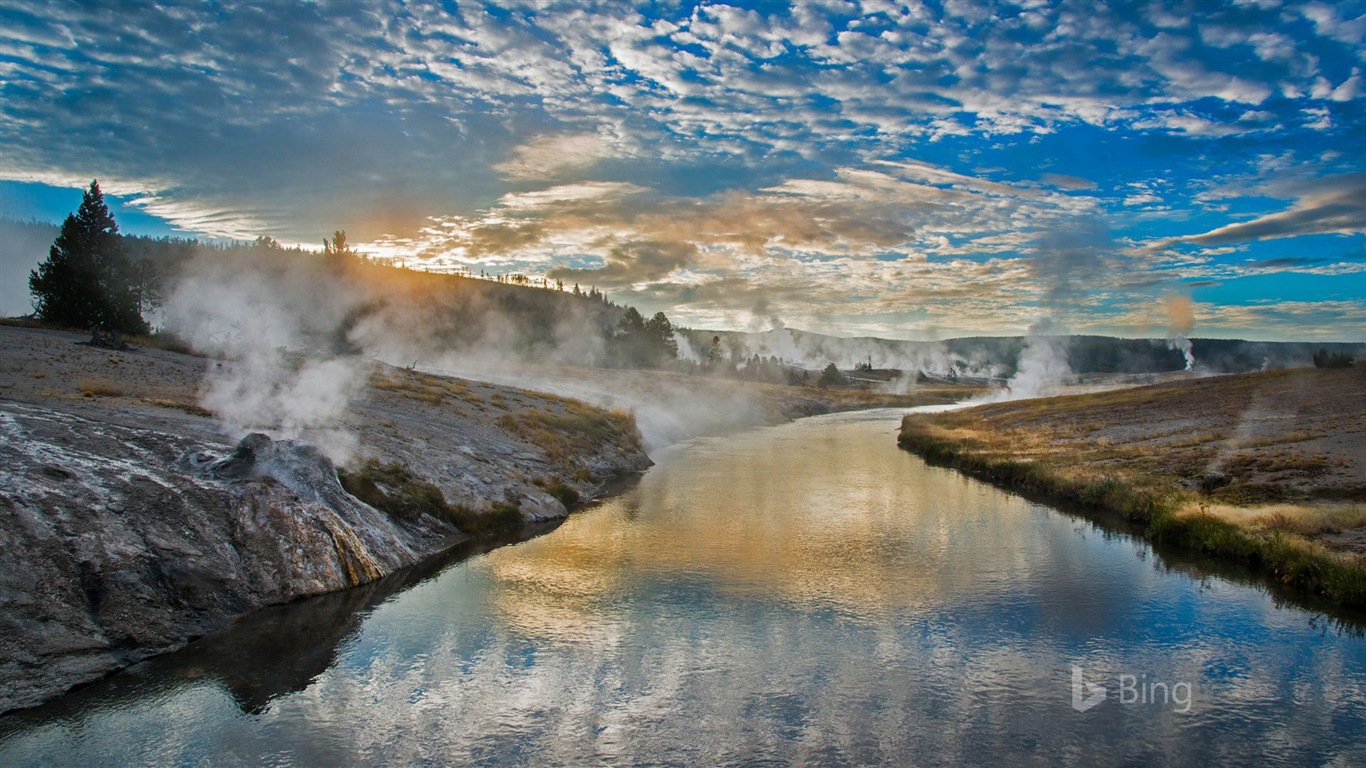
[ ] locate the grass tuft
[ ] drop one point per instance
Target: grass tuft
(396, 491)
(566, 495)
(566, 432)
(96, 388)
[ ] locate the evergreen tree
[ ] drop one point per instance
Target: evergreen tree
(337, 251)
(714, 354)
(830, 377)
(87, 279)
(660, 333)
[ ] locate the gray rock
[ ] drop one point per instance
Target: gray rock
(101, 571)
(128, 527)
(537, 507)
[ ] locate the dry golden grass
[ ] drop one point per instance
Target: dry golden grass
(1267, 468)
(1301, 519)
(98, 388)
(564, 429)
(180, 405)
(422, 387)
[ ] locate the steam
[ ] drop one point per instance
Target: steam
(1180, 312)
(1064, 262)
(1042, 365)
(686, 350)
(813, 352)
(666, 411)
(1254, 421)
(293, 340)
(269, 373)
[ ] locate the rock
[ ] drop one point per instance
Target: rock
(127, 529)
(538, 507)
(101, 571)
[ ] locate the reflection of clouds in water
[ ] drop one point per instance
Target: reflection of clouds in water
(788, 512)
(785, 596)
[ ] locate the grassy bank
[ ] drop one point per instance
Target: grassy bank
(1261, 469)
(396, 491)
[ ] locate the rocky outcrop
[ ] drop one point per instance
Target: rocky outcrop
(130, 524)
(119, 543)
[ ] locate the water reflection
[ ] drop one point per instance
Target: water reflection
(806, 594)
(272, 653)
(828, 526)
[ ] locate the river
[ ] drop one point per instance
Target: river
(806, 594)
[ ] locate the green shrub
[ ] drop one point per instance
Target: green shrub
(567, 496)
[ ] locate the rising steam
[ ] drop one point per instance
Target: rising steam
(292, 340)
(1180, 311)
(267, 334)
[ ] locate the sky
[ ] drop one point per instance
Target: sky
(909, 170)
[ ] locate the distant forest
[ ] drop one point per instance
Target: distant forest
(996, 357)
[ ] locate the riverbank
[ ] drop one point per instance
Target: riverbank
(1266, 469)
(132, 523)
(136, 521)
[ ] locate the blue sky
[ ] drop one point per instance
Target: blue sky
(912, 170)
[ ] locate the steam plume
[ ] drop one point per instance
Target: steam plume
(1180, 322)
(268, 333)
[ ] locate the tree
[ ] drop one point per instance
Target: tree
(661, 335)
(87, 279)
(714, 354)
(337, 249)
(1325, 359)
(830, 376)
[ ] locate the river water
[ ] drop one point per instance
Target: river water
(803, 594)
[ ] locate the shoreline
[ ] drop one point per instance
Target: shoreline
(136, 526)
(1299, 526)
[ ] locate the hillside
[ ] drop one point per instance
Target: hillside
(426, 316)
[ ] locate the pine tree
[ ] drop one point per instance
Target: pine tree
(830, 377)
(661, 335)
(87, 279)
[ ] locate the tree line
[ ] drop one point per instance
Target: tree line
(96, 277)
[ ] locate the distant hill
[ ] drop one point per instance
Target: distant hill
(997, 356)
(349, 304)
(409, 313)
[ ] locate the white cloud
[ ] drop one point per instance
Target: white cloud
(1350, 88)
(1317, 118)
(1329, 205)
(546, 157)
(1327, 23)
(537, 133)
